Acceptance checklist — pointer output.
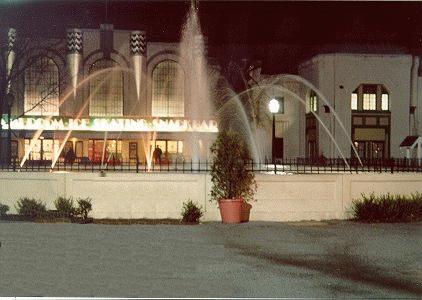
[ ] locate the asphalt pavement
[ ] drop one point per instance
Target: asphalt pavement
(336, 259)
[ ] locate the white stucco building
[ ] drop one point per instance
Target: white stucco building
(376, 96)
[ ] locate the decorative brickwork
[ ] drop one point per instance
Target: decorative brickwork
(138, 43)
(74, 41)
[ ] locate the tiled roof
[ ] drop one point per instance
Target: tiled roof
(409, 141)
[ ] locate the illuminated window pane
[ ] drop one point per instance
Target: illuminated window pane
(180, 147)
(48, 149)
(42, 88)
(168, 90)
(369, 101)
(119, 147)
(35, 151)
(354, 101)
(79, 148)
(161, 145)
(366, 101)
(384, 102)
(172, 146)
(313, 102)
(56, 148)
(373, 101)
(281, 103)
(106, 89)
(42, 149)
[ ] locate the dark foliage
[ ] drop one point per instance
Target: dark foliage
(30, 208)
(3, 209)
(388, 208)
(84, 207)
(230, 175)
(191, 212)
(64, 207)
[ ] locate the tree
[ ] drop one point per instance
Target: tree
(18, 57)
(239, 77)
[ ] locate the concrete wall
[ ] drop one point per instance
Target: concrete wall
(279, 198)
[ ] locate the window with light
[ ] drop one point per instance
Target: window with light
(369, 101)
(106, 89)
(168, 93)
(370, 97)
(42, 88)
(281, 103)
(313, 102)
(384, 102)
(354, 101)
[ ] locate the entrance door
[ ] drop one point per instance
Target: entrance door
(278, 148)
(371, 149)
(170, 149)
(312, 150)
(377, 150)
(43, 149)
(112, 151)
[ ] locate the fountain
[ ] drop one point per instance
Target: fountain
(63, 100)
(199, 81)
(193, 57)
(232, 113)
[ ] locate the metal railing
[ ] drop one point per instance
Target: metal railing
(280, 166)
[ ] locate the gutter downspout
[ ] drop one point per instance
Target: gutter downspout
(413, 95)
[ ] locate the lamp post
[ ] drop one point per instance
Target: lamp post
(9, 102)
(273, 106)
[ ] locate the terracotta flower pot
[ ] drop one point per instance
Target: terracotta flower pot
(246, 211)
(230, 210)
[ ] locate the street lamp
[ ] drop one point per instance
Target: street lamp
(274, 107)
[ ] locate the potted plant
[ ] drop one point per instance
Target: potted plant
(233, 183)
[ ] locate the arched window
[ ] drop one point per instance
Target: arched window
(168, 92)
(106, 89)
(42, 88)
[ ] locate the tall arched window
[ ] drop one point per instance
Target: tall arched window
(42, 88)
(106, 89)
(168, 90)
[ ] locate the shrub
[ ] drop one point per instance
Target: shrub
(84, 207)
(388, 208)
(3, 209)
(230, 175)
(191, 212)
(64, 207)
(30, 208)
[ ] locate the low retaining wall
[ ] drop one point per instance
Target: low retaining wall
(160, 195)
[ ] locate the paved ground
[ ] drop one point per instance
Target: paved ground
(259, 259)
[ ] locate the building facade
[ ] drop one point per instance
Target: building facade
(109, 95)
(112, 96)
(376, 99)
(371, 100)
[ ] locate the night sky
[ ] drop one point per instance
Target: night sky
(281, 34)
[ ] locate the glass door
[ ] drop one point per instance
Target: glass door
(35, 151)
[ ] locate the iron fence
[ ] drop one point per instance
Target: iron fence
(280, 166)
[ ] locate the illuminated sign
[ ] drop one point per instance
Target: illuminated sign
(116, 125)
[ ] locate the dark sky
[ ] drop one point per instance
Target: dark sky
(279, 33)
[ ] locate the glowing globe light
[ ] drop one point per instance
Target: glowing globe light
(274, 106)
